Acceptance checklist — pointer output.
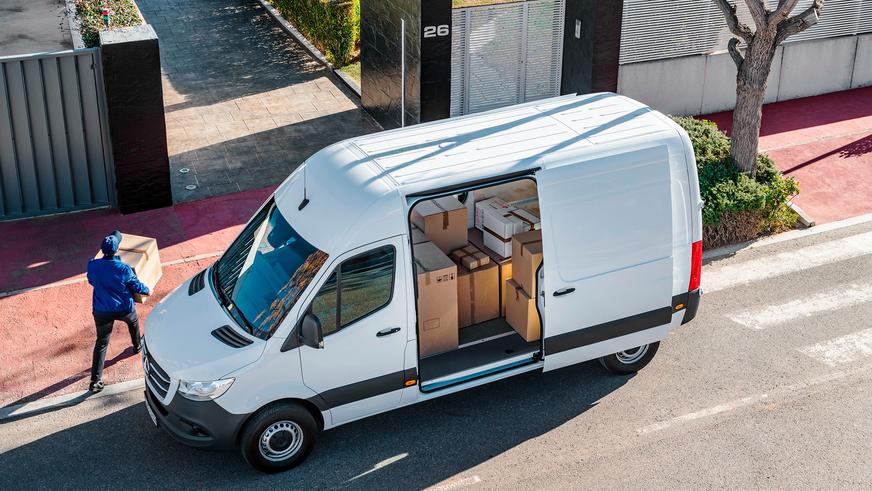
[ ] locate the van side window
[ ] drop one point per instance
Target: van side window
(359, 287)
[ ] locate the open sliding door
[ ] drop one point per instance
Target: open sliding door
(607, 238)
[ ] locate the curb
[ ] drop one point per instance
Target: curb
(42, 406)
(730, 250)
(308, 46)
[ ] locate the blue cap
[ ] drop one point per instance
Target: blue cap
(110, 243)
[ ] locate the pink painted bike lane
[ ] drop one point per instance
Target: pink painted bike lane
(825, 142)
(46, 328)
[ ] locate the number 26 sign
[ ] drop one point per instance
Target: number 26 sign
(436, 31)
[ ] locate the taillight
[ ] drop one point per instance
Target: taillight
(695, 265)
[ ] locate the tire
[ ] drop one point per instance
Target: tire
(287, 431)
(630, 361)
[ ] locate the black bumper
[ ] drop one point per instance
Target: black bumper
(690, 301)
(199, 424)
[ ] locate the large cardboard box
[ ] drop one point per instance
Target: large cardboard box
(470, 257)
(478, 294)
(499, 224)
(437, 300)
(476, 238)
(526, 258)
(521, 312)
(443, 221)
(141, 254)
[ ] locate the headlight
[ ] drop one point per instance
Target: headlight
(204, 391)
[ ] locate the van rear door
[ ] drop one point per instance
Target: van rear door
(607, 243)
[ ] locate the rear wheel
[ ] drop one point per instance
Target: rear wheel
(631, 360)
(278, 438)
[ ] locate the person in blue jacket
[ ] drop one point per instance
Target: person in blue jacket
(114, 283)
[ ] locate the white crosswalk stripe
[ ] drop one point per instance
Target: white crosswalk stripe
(730, 275)
(841, 350)
(771, 315)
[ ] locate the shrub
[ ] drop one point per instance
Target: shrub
(123, 14)
(737, 207)
(333, 26)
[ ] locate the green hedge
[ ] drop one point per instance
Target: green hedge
(333, 26)
(737, 207)
(123, 14)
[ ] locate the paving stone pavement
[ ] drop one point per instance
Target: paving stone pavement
(245, 104)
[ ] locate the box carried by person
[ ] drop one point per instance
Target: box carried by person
(443, 221)
(141, 254)
(437, 300)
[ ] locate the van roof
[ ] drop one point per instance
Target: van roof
(359, 185)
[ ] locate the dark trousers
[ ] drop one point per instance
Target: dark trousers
(104, 322)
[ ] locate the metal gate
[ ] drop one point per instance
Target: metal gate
(505, 54)
(54, 146)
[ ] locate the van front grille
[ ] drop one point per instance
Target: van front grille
(156, 376)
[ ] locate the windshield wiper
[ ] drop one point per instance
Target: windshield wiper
(228, 304)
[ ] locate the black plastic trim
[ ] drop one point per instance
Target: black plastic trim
(607, 330)
(692, 305)
(360, 390)
(198, 282)
(218, 427)
(230, 337)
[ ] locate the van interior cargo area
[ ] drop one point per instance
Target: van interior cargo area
(476, 256)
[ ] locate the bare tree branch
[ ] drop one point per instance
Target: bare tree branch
(785, 7)
(799, 22)
(733, 48)
(736, 27)
(758, 13)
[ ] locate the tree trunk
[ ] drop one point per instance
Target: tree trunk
(750, 91)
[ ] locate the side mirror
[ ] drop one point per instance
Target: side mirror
(310, 332)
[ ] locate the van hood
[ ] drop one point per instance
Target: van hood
(178, 335)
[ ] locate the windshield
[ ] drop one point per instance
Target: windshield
(265, 271)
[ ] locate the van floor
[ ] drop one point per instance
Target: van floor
(487, 343)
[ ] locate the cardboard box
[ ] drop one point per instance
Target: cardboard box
(437, 300)
(476, 238)
(141, 254)
(526, 258)
(478, 294)
(470, 257)
(489, 205)
(499, 229)
(521, 312)
(443, 221)
(418, 236)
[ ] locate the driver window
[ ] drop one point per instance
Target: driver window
(360, 286)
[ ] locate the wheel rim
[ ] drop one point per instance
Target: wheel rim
(281, 440)
(630, 356)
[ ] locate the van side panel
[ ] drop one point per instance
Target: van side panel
(608, 244)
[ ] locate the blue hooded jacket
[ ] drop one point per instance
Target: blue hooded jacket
(114, 281)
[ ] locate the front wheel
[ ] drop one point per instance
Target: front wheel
(278, 437)
(631, 360)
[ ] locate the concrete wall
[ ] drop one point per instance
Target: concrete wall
(707, 84)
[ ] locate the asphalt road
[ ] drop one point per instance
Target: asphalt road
(770, 387)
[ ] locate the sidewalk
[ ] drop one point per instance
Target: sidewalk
(825, 142)
(47, 333)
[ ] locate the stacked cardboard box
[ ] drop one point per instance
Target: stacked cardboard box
(437, 299)
(521, 290)
(500, 221)
(141, 254)
(443, 221)
(478, 282)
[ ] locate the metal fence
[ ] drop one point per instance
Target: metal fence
(505, 54)
(54, 147)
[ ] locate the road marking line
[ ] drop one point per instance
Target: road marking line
(783, 263)
(844, 349)
(747, 401)
(771, 315)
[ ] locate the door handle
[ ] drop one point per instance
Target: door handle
(388, 331)
(563, 291)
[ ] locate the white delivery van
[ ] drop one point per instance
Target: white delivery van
(345, 296)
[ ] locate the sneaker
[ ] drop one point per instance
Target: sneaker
(137, 349)
(96, 386)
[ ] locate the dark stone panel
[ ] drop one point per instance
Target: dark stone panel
(134, 102)
(381, 60)
(435, 60)
(607, 46)
(578, 46)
